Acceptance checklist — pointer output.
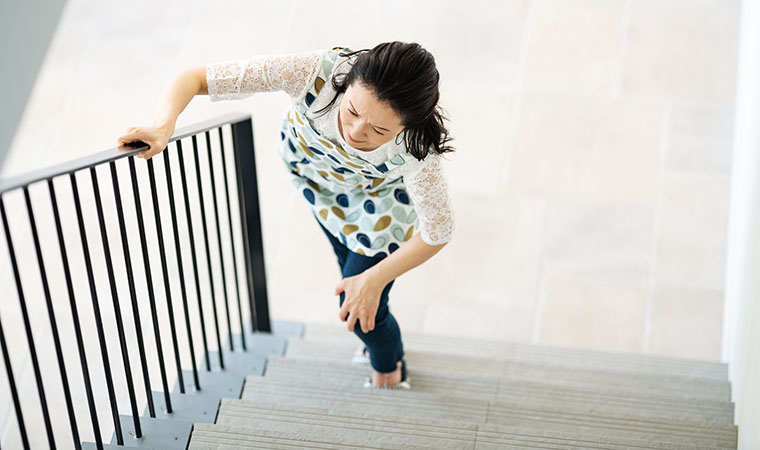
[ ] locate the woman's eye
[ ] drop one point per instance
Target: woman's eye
(378, 132)
(353, 113)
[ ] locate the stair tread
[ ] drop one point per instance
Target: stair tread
(476, 394)
(488, 388)
(420, 404)
(513, 351)
(255, 416)
(423, 432)
(511, 370)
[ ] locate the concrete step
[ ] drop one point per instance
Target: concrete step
(403, 432)
(546, 417)
(417, 404)
(219, 437)
(538, 354)
(600, 380)
(316, 372)
(418, 432)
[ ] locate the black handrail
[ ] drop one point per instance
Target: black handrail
(243, 169)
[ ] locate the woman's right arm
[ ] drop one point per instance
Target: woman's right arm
(227, 80)
(179, 91)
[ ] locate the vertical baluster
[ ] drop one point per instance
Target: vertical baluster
(14, 391)
(75, 318)
(116, 304)
(132, 292)
(178, 251)
(196, 162)
(53, 322)
(165, 273)
(149, 280)
(250, 218)
(219, 239)
(186, 199)
(28, 329)
(96, 311)
(232, 237)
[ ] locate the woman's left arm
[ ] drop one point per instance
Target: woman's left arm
(428, 189)
(408, 256)
(363, 291)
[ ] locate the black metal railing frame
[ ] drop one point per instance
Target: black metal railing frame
(253, 286)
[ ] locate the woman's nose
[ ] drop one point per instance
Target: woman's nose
(361, 128)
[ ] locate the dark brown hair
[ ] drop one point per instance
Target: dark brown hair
(404, 76)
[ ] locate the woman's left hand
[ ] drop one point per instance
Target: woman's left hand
(361, 301)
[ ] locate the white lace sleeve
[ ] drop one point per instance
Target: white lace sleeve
(428, 189)
(238, 79)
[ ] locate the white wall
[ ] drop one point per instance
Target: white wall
(26, 28)
(741, 340)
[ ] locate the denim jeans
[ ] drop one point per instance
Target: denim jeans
(384, 341)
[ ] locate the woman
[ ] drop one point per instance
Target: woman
(362, 141)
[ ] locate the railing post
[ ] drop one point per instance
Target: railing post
(250, 217)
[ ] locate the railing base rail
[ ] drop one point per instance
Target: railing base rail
(193, 408)
(158, 434)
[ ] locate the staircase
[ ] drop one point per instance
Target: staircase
(475, 394)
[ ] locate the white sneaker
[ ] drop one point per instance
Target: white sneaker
(359, 357)
(405, 384)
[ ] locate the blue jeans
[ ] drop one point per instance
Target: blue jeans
(384, 341)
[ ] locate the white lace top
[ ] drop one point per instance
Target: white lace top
(425, 180)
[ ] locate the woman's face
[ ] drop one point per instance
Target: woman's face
(365, 122)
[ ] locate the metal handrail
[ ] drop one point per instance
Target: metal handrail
(253, 263)
(112, 154)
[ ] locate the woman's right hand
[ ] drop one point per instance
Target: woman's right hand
(155, 137)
